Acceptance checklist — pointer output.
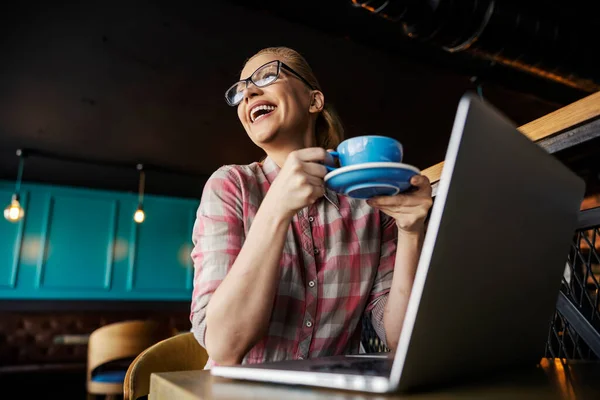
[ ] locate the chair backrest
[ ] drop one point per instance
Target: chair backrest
(178, 353)
(123, 340)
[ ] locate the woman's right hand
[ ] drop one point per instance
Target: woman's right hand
(300, 181)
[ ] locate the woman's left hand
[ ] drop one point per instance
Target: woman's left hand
(410, 208)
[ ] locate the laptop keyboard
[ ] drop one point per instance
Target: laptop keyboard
(362, 367)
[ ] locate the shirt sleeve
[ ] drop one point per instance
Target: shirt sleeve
(217, 237)
(383, 278)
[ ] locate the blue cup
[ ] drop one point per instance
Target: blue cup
(367, 149)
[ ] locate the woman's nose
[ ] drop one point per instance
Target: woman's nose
(251, 91)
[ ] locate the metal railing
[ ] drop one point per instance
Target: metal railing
(574, 332)
(369, 339)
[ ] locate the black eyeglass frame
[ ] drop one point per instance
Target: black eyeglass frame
(280, 65)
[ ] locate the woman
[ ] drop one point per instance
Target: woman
(285, 268)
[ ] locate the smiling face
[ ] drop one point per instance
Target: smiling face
(281, 112)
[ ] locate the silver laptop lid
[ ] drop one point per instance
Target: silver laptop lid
(493, 256)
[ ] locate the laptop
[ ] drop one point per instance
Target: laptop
(489, 274)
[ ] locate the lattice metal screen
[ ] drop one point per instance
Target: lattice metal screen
(580, 285)
(370, 340)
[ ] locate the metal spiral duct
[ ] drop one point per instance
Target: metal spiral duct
(538, 40)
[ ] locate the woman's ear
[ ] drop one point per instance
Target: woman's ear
(317, 102)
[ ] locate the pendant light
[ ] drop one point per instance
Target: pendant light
(139, 216)
(14, 212)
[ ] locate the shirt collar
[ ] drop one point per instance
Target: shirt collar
(271, 169)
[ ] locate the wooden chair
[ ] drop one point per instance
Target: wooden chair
(179, 353)
(112, 348)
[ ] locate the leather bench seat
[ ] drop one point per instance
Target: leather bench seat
(33, 338)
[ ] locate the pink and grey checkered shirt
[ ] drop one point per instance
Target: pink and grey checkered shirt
(337, 264)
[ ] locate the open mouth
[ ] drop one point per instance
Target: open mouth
(261, 111)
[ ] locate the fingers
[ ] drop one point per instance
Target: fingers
(421, 182)
(330, 160)
(315, 169)
(302, 179)
(315, 180)
(318, 192)
(314, 154)
(313, 193)
(399, 200)
(421, 196)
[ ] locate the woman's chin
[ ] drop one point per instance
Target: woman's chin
(263, 134)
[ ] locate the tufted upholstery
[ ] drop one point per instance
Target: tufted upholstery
(29, 338)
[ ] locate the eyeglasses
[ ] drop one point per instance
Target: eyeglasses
(263, 76)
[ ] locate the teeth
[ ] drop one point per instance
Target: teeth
(255, 110)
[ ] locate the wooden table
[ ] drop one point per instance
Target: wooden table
(550, 380)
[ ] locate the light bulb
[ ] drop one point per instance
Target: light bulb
(139, 216)
(14, 212)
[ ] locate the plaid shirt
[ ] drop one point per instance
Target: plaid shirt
(337, 264)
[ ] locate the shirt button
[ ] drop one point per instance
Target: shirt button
(311, 283)
(310, 219)
(308, 323)
(316, 251)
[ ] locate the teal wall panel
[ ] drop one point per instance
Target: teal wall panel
(77, 243)
(171, 268)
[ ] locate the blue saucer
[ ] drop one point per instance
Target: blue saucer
(363, 181)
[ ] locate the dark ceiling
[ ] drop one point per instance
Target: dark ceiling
(101, 86)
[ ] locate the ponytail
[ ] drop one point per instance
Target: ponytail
(329, 129)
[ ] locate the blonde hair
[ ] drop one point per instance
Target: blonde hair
(329, 131)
